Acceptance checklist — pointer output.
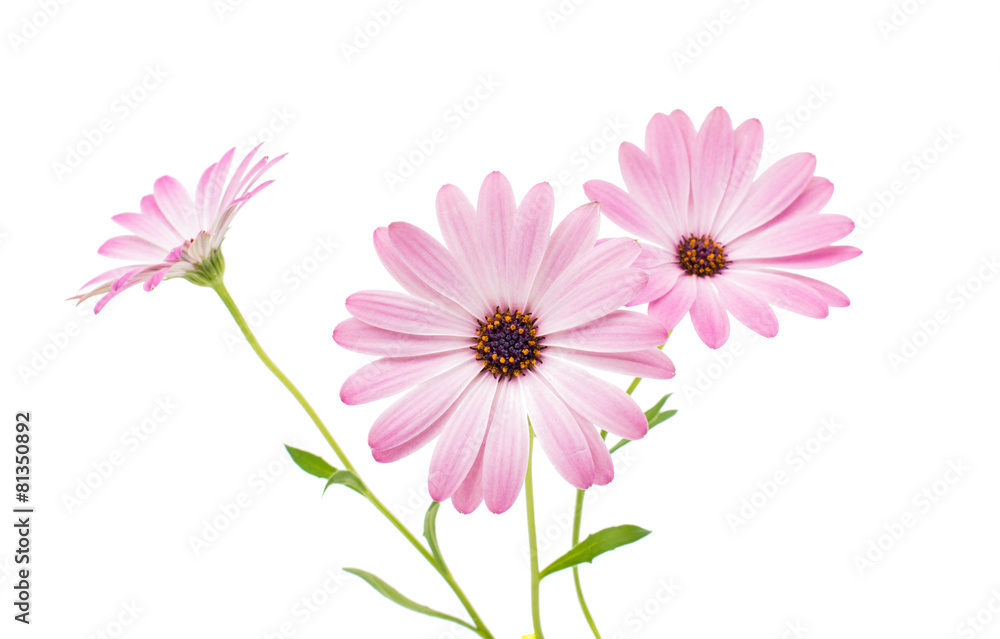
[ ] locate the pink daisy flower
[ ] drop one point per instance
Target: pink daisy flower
(718, 240)
(498, 325)
(175, 236)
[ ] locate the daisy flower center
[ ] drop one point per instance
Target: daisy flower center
(506, 343)
(701, 255)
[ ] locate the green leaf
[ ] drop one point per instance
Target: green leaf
(655, 410)
(597, 544)
(346, 478)
(653, 417)
(662, 417)
(394, 595)
(430, 530)
(312, 464)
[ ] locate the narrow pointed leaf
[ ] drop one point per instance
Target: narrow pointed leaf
(599, 543)
(312, 464)
(346, 478)
(662, 417)
(395, 596)
(653, 417)
(655, 410)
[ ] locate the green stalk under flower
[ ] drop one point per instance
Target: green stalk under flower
(215, 282)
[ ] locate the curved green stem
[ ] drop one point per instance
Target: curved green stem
(529, 497)
(227, 299)
(577, 517)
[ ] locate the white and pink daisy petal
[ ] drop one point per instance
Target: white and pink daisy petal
(173, 235)
(502, 317)
(714, 236)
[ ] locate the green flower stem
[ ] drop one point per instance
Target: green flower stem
(633, 385)
(529, 496)
(577, 519)
(227, 299)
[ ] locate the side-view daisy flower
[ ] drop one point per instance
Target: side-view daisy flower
(175, 236)
(717, 239)
(497, 326)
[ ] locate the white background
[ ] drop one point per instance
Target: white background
(217, 74)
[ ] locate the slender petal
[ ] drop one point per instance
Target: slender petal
(604, 467)
(661, 280)
(676, 303)
(617, 253)
(173, 236)
(148, 228)
(666, 148)
(592, 299)
(800, 235)
(748, 143)
(596, 400)
(826, 256)
(752, 311)
(406, 314)
(779, 289)
(809, 203)
(417, 440)
(457, 219)
(469, 493)
(432, 263)
(830, 294)
(533, 222)
(496, 210)
(130, 247)
(506, 453)
(391, 375)
(574, 236)
(355, 335)
(149, 208)
(559, 434)
(421, 407)
(462, 438)
(686, 128)
(624, 210)
(711, 168)
(709, 315)
(776, 188)
(650, 363)
(405, 277)
(653, 256)
(174, 201)
(615, 332)
(645, 184)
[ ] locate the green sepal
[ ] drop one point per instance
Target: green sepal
(209, 272)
